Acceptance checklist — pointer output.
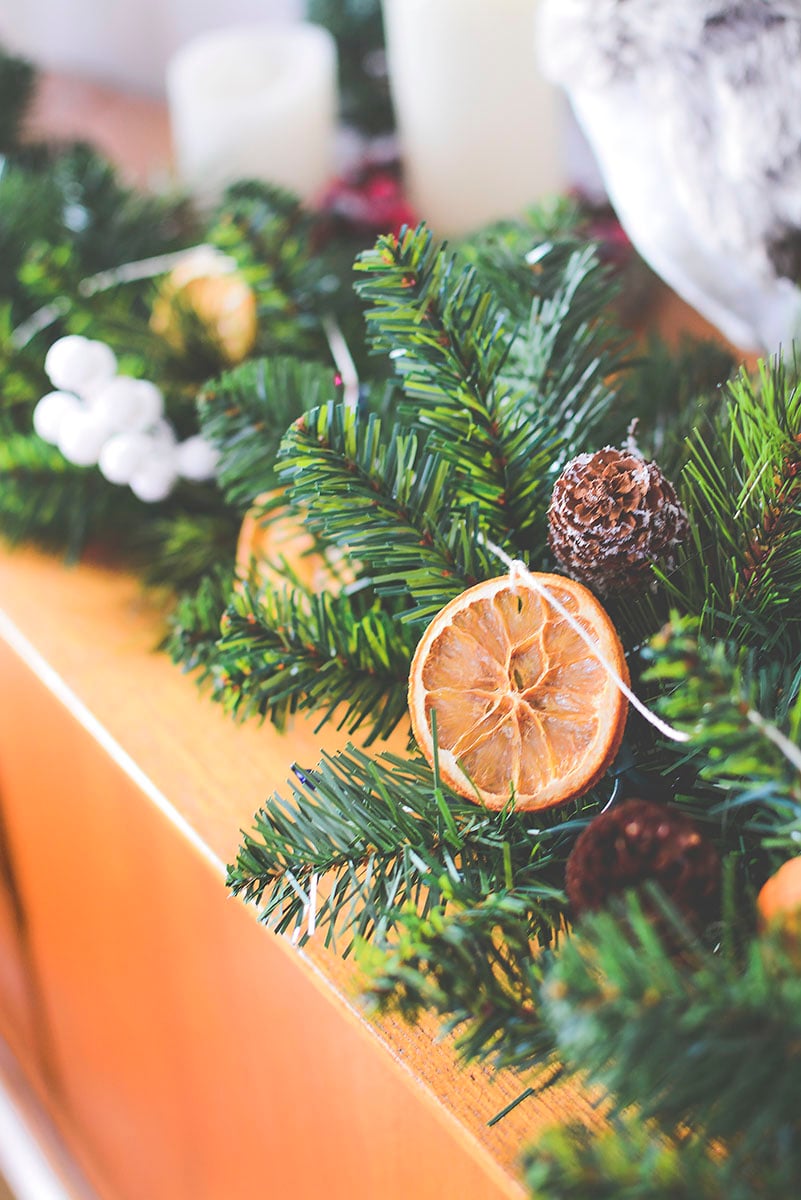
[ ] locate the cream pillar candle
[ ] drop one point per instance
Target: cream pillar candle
(478, 124)
(254, 102)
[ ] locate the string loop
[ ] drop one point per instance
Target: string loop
(518, 571)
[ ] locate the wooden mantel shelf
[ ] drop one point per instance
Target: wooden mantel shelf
(184, 1052)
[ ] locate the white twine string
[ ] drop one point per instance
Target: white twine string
(519, 570)
(143, 268)
(309, 911)
(312, 904)
(343, 362)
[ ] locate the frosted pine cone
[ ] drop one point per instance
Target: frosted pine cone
(612, 514)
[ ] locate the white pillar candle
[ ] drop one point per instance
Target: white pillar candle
(479, 126)
(254, 102)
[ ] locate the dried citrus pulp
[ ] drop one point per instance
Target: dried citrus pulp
(525, 709)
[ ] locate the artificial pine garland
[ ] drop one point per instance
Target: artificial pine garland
(486, 370)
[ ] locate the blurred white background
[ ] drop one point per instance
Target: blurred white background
(122, 42)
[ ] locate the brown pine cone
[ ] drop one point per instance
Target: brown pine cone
(612, 514)
(638, 841)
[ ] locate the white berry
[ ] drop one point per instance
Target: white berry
(155, 478)
(51, 411)
(163, 434)
(78, 364)
(123, 454)
(128, 404)
(81, 437)
(197, 459)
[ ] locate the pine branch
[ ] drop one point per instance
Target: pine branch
(561, 368)
(498, 252)
(46, 500)
(102, 221)
(632, 1160)
(194, 627)
(502, 404)
(448, 338)
(246, 413)
(193, 538)
(744, 724)
(379, 835)
(744, 565)
(688, 1039)
(272, 238)
(387, 502)
(671, 391)
(478, 968)
(286, 650)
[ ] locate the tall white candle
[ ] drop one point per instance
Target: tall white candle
(479, 126)
(254, 102)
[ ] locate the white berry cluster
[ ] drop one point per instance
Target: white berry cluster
(97, 417)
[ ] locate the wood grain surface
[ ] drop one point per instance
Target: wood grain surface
(168, 1009)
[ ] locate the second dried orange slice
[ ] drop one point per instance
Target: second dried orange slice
(526, 711)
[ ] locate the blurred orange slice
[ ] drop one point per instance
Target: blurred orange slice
(276, 550)
(525, 710)
(220, 299)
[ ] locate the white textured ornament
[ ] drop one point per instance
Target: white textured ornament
(51, 411)
(197, 459)
(693, 109)
(78, 364)
(162, 434)
(81, 437)
(155, 478)
(127, 404)
(123, 455)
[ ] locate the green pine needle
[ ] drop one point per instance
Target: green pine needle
(372, 832)
(285, 649)
(688, 1039)
(246, 412)
(387, 502)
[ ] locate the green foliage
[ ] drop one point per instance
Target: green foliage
(384, 834)
(502, 404)
(287, 649)
(186, 542)
(246, 412)
(670, 391)
(272, 237)
(17, 83)
(744, 723)
(194, 626)
(694, 1040)
(477, 966)
(630, 1161)
(46, 500)
(363, 84)
(742, 572)
(498, 253)
(392, 506)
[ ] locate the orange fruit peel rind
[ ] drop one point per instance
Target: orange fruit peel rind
(526, 712)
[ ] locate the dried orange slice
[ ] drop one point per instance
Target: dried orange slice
(525, 710)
